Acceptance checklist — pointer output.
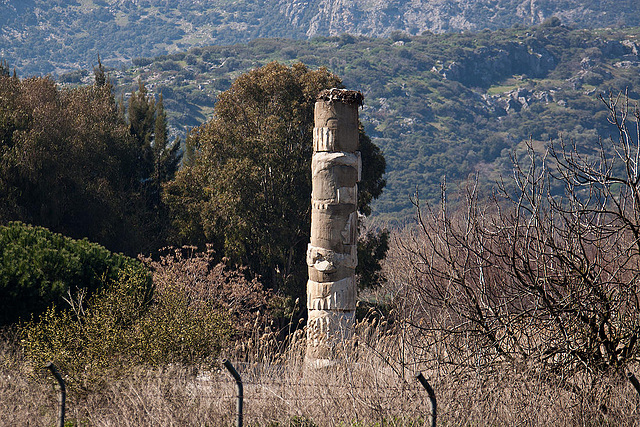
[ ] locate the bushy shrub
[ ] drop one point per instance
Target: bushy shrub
(39, 268)
(193, 310)
(86, 340)
(124, 325)
(204, 282)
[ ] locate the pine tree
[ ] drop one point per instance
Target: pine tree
(99, 74)
(160, 129)
(141, 114)
(158, 160)
(166, 157)
(148, 125)
(188, 158)
(4, 69)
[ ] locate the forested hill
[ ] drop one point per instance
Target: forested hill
(438, 105)
(54, 36)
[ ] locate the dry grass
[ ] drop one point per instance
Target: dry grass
(365, 388)
(372, 384)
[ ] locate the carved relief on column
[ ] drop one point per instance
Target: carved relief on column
(336, 169)
(338, 296)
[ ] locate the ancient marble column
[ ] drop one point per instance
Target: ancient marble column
(332, 254)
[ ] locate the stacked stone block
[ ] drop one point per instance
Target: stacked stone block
(332, 254)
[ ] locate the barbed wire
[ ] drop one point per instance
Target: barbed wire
(175, 382)
(221, 379)
(266, 394)
(310, 384)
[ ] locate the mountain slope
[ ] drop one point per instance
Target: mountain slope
(439, 105)
(54, 36)
(382, 17)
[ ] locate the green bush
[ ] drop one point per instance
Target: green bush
(126, 324)
(194, 308)
(39, 268)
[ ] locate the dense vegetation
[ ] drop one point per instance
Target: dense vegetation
(76, 161)
(438, 105)
(245, 184)
(39, 268)
(529, 297)
(69, 161)
(194, 308)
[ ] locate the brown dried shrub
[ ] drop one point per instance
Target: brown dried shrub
(205, 282)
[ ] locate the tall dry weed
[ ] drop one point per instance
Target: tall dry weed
(372, 383)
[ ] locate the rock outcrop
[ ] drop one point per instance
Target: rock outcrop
(485, 65)
(380, 18)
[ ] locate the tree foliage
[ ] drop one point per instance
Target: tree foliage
(194, 309)
(39, 268)
(69, 162)
(158, 159)
(247, 188)
(148, 125)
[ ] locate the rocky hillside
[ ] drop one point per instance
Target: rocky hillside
(439, 105)
(54, 36)
(382, 17)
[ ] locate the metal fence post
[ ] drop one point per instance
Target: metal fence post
(633, 380)
(236, 376)
(63, 391)
(432, 397)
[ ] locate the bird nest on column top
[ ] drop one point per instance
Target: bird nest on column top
(343, 95)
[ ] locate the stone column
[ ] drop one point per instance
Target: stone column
(332, 254)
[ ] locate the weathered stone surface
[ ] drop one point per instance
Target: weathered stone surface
(332, 257)
(332, 193)
(333, 227)
(348, 258)
(334, 175)
(338, 296)
(327, 160)
(342, 120)
(349, 232)
(324, 139)
(324, 276)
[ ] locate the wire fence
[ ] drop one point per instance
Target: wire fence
(216, 387)
(277, 392)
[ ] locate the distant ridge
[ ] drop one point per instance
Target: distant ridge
(55, 36)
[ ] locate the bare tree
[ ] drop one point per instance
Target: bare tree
(545, 272)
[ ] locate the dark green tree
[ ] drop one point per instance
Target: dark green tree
(166, 156)
(372, 248)
(246, 189)
(4, 68)
(158, 160)
(141, 114)
(372, 183)
(100, 76)
(66, 161)
(39, 268)
(70, 162)
(148, 125)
